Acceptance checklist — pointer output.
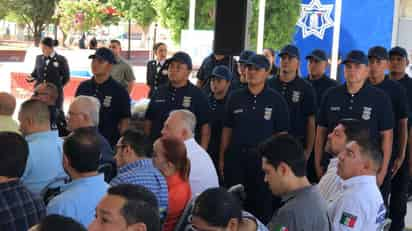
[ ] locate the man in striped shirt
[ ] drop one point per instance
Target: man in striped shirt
(330, 185)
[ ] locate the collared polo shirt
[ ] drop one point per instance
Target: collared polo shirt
(167, 98)
(321, 85)
(406, 82)
(217, 116)
(115, 105)
(301, 100)
(122, 72)
(369, 105)
(254, 118)
(79, 199)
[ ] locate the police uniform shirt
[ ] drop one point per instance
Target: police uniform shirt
(303, 209)
(53, 69)
(114, 105)
(321, 85)
(217, 115)
(360, 206)
(301, 100)
(370, 105)
(254, 118)
(167, 98)
(156, 75)
(406, 82)
(397, 95)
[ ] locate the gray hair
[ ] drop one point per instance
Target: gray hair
(90, 106)
(187, 117)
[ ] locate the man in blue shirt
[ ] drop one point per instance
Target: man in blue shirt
(114, 99)
(135, 167)
(44, 164)
(80, 197)
(356, 100)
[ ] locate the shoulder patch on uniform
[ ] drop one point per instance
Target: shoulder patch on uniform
(348, 220)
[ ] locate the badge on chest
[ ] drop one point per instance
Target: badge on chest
(268, 113)
(296, 95)
(187, 101)
(366, 113)
(107, 101)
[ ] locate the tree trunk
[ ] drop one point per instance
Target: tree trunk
(37, 35)
(144, 42)
(64, 38)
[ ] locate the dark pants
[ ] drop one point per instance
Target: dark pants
(244, 166)
(399, 197)
(60, 98)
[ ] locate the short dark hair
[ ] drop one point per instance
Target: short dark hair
(354, 128)
(141, 205)
(14, 152)
(272, 52)
(137, 141)
(157, 45)
(37, 110)
(58, 222)
(116, 41)
(217, 206)
(370, 149)
(82, 148)
(284, 148)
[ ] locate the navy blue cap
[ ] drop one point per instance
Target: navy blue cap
(318, 55)
(181, 57)
(356, 56)
(378, 52)
(222, 72)
(398, 51)
(244, 56)
(290, 50)
(104, 54)
(258, 61)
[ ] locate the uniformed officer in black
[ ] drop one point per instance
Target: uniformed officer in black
(299, 95)
(378, 63)
(317, 64)
(219, 86)
(358, 100)
(241, 69)
(179, 93)
(398, 61)
(156, 74)
(253, 114)
(51, 67)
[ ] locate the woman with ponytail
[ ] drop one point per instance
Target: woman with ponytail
(171, 159)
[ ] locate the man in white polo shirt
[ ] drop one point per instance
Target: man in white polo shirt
(203, 175)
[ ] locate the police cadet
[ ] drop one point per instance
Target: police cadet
(156, 75)
(51, 67)
(114, 99)
(122, 71)
(270, 54)
(398, 61)
(241, 69)
(356, 100)
(378, 63)
(219, 86)
(299, 95)
(317, 64)
(179, 93)
(252, 115)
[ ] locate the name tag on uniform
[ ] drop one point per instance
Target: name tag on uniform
(366, 114)
(160, 100)
(268, 113)
(187, 101)
(107, 101)
(237, 111)
(335, 108)
(296, 95)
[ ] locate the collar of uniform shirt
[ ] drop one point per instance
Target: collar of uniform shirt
(365, 85)
(365, 179)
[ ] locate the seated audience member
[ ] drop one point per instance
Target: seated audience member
(360, 206)
(330, 185)
(127, 207)
(170, 157)
(135, 167)
(48, 93)
(217, 209)
(181, 124)
(7, 107)
(58, 223)
(44, 164)
(78, 199)
(284, 164)
(84, 113)
(19, 208)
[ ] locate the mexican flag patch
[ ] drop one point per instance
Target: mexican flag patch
(281, 228)
(348, 220)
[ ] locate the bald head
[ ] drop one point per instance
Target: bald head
(7, 104)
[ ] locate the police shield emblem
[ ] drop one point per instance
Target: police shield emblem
(187, 101)
(107, 101)
(55, 64)
(295, 96)
(268, 113)
(366, 114)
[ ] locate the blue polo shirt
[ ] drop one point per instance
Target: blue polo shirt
(254, 118)
(369, 105)
(400, 108)
(115, 105)
(321, 85)
(217, 115)
(301, 100)
(167, 98)
(406, 82)
(79, 199)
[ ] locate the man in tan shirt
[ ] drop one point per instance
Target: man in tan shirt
(122, 72)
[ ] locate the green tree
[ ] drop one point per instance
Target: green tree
(174, 15)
